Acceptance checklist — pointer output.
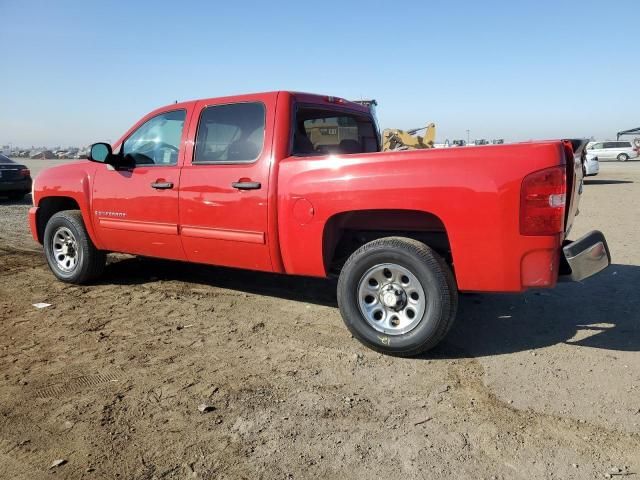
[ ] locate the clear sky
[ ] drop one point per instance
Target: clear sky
(75, 72)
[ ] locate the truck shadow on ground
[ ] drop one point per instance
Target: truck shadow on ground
(139, 270)
(601, 312)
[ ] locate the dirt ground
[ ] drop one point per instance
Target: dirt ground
(109, 378)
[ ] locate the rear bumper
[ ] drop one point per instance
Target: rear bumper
(585, 257)
(17, 186)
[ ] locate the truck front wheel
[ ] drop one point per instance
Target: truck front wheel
(71, 255)
(397, 296)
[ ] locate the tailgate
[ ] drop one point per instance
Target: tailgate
(575, 150)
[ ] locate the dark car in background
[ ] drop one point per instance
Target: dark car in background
(15, 179)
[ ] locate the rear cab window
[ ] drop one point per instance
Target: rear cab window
(321, 130)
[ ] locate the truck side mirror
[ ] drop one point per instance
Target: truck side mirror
(100, 152)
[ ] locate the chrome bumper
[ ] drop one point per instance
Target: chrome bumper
(586, 256)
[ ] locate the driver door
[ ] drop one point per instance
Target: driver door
(135, 209)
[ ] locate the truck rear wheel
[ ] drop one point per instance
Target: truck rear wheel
(397, 296)
(71, 255)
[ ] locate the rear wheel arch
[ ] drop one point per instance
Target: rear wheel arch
(345, 232)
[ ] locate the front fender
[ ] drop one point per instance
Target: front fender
(63, 187)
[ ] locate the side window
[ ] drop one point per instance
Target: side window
(157, 141)
(597, 146)
(624, 144)
(230, 133)
(610, 145)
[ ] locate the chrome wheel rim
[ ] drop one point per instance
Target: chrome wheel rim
(65, 249)
(391, 299)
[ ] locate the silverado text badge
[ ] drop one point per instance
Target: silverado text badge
(100, 213)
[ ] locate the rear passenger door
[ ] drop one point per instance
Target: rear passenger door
(224, 185)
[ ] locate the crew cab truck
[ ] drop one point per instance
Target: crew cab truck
(295, 183)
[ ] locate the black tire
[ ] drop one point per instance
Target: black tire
(435, 278)
(623, 157)
(90, 260)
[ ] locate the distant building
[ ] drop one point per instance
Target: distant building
(43, 155)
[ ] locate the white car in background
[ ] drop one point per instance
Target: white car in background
(609, 150)
(591, 165)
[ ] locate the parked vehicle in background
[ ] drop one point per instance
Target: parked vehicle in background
(15, 179)
(620, 150)
(591, 165)
(263, 182)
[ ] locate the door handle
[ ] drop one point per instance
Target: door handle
(247, 185)
(162, 185)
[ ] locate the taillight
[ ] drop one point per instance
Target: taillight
(542, 202)
(25, 172)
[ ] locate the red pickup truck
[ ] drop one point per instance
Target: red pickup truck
(296, 183)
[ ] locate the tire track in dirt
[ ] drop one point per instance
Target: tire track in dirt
(75, 384)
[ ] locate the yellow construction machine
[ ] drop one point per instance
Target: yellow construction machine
(394, 139)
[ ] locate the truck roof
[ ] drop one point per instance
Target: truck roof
(302, 97)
